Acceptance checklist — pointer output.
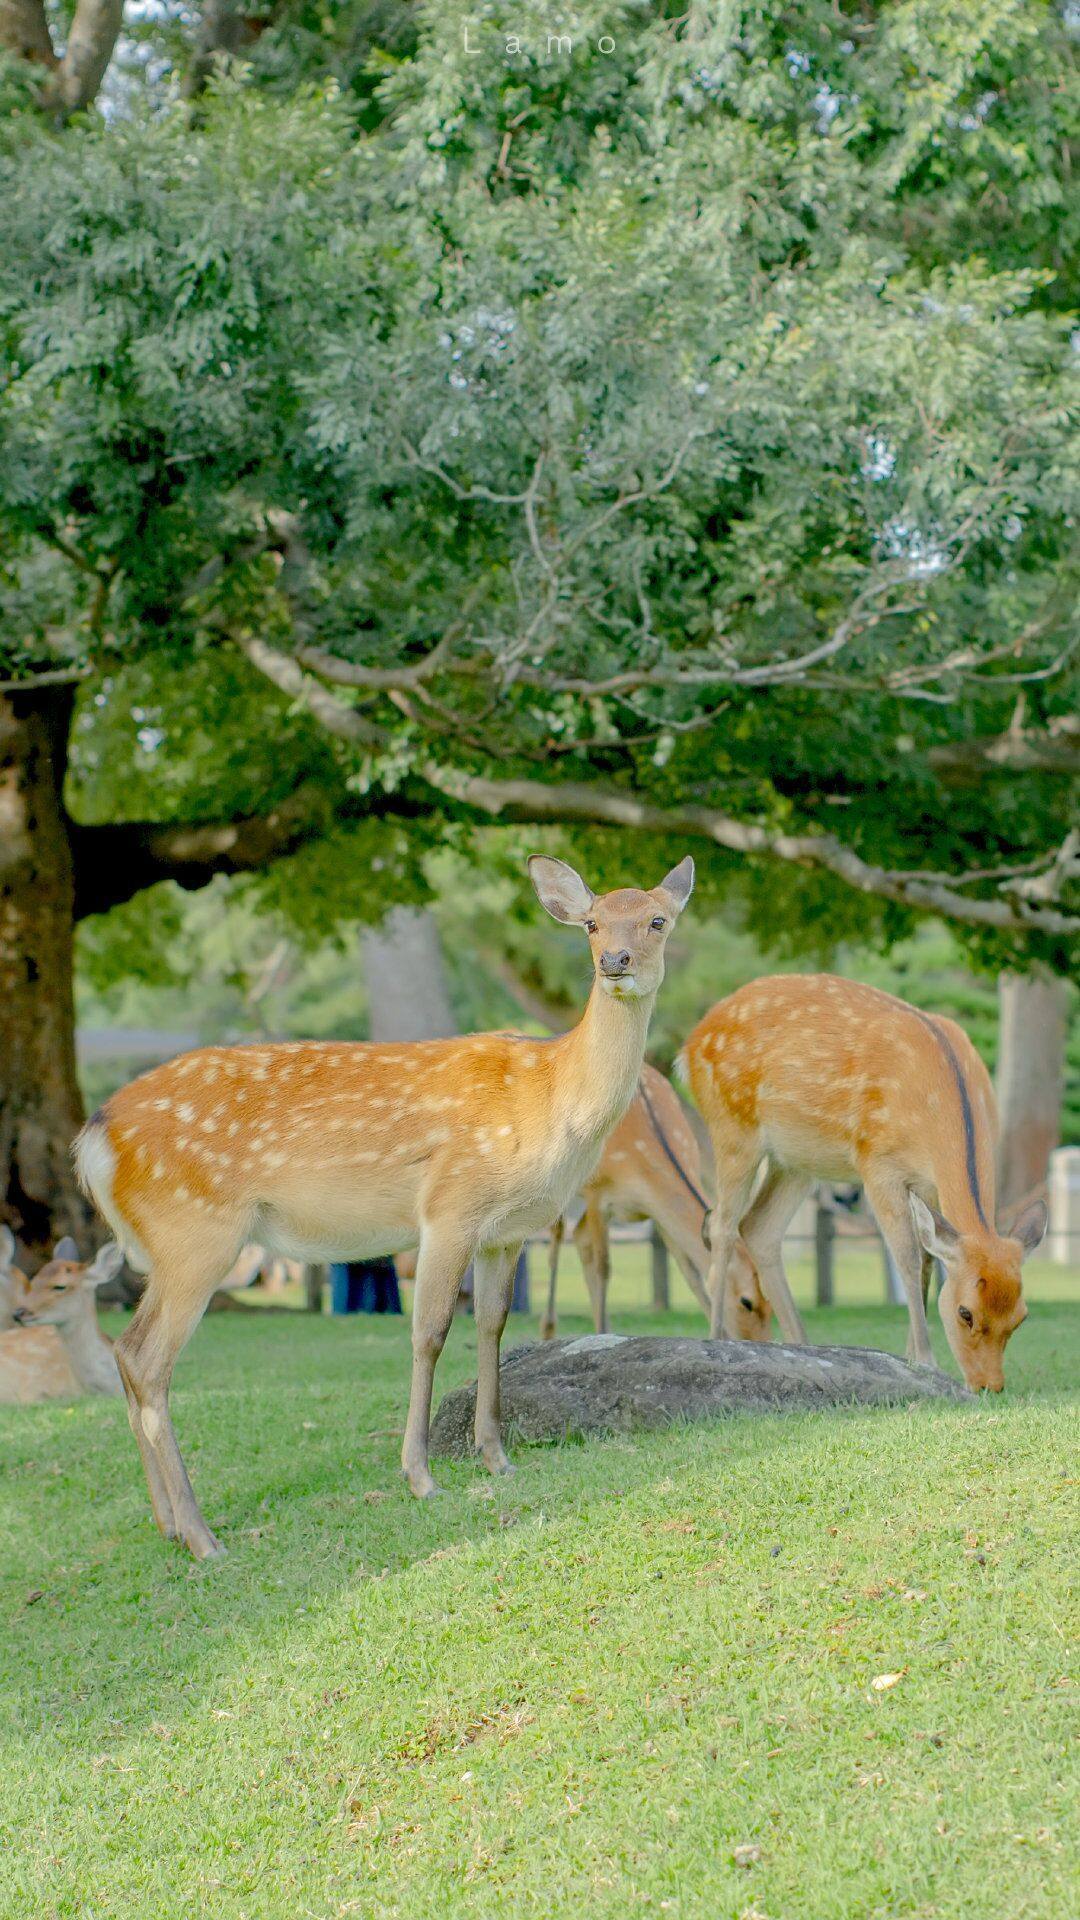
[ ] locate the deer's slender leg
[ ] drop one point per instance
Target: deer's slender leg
(691, 1275)
(594, 1250)
(549, 1324)
(926, 1277)
(443, 1257)
(892, 1210)
(763, 1230)
(159, 1493)
(493, 1271)
(737, 1161)
(146, 1354)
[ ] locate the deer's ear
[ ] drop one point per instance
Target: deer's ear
(1029, 1225)
(107, 1263)
(934, 1234)
(558, 888)
(679, 883)
(65, 1249)
(7, 1248)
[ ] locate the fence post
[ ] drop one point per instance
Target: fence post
(314, 1282)
(661, 1288)
(824, 1245)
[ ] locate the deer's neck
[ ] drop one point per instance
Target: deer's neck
(89, 1352)
(604, 1058)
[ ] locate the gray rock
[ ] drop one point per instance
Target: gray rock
(611, 1384)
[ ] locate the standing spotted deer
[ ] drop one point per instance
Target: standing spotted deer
(320, 1151)
(649, 1170)
(834, 1080)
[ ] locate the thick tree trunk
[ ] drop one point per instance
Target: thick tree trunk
(1032, 1011)
(41, 1108)
(406, 978)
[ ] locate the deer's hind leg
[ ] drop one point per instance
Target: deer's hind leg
(738, 1156)
(594, 1250)
(549, 1324)
(763, 1231)
(146, 1353)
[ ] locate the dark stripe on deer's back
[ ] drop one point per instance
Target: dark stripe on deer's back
(967, 1116)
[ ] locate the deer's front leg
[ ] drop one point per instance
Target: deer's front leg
(441, 1262)
(493, 1286)
(892, 1212)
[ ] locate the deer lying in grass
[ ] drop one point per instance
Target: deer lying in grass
(834, 1080)
(321, 1151)
(13, 1282)
(55, 1349)
(645, 1173)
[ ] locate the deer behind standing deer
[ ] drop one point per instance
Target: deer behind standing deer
(833, 1080)
(649, 1170)
(55, 1349)
(320, 1151)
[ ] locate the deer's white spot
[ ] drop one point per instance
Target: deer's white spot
(185, 1112)
(208, 1125)
(159, 1169)
(234, 1128)
(180, 1193)
(162, 1106)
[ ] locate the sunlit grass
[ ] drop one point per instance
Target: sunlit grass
(581, 1691)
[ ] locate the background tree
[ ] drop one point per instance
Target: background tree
(679, 437)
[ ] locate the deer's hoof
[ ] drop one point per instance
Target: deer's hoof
(420, 1484)
(206, 1547)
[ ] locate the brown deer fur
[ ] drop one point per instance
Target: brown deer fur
(831, 1080)
(320, 1151)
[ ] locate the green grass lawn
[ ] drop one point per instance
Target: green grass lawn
(581, 1691)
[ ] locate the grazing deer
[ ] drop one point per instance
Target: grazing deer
(834, 1080)
(56, 1350)
(644, 1175)
(320, 1151)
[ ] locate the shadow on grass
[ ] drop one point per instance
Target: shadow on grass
(291, 1431)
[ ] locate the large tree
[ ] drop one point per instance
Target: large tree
(675, 433)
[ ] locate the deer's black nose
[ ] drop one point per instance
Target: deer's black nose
(614, 963)
(19, 1316)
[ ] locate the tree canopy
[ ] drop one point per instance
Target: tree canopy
(676, 429)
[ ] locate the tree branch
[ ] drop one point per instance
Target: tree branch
(1055, 749)
(115, 862)
(89, 49)
(533, 800)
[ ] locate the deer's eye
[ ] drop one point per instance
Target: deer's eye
(590, 926)
(966, 1316)
(658, 924)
